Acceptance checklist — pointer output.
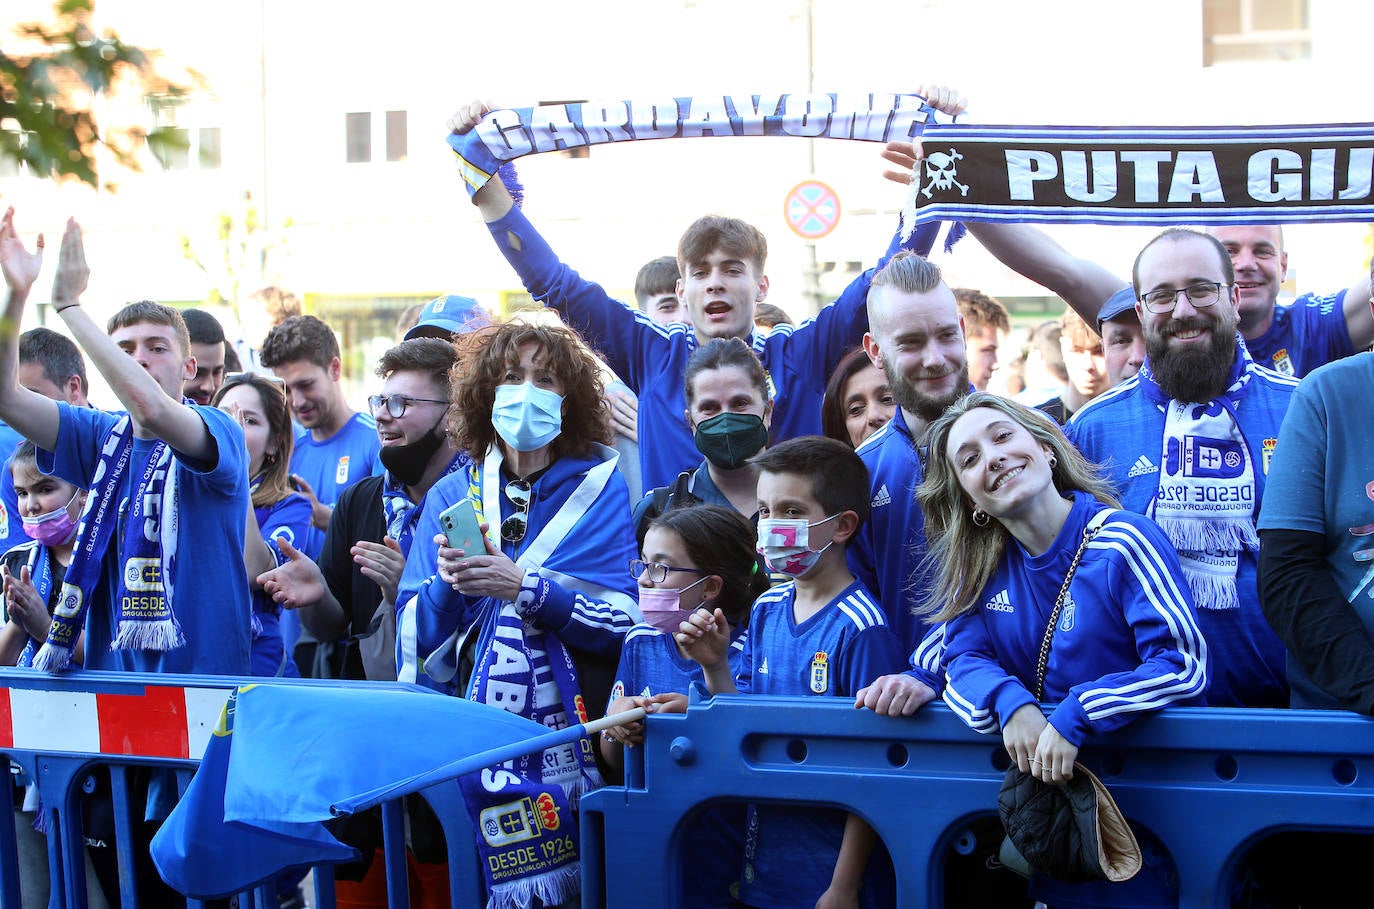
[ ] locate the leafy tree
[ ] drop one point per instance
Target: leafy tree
(47, 96)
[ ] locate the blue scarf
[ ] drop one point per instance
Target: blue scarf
(1205, 453)
(143, 597)
(40, 574)
(524, 808)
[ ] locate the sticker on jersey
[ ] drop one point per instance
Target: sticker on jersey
(1282, 362)
(4, 520)
(617, 690)
(1267, 452)
(820, 672)
(143, 575)
(580, 707)
(341, 472)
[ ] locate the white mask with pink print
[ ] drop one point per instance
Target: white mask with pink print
(786, 545)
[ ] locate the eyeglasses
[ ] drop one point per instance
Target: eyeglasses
(1200, 296)
(513, 528)
(235, 378)
(396, 404)
(658, 572)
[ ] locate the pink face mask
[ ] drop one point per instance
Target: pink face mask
(54, 528)
(662, 606)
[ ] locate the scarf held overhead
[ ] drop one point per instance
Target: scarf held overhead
(504, 135)
(1144, 175)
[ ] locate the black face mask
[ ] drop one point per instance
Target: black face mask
(729, 439)
(407, 462)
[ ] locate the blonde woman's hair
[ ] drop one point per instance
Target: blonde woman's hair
(961, 557)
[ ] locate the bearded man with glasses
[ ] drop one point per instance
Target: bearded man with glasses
(1188, 442)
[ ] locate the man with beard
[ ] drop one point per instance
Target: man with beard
(1188, 442)
(916, 337)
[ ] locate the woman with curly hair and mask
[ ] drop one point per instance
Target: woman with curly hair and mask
(534, 622)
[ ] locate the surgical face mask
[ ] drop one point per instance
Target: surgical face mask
(727, 440)
(662, 606)
(407, 462)
(54, 528)
(786, 545)
(526, 417)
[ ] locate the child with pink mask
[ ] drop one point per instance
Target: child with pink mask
(694, 556)
(33, 571)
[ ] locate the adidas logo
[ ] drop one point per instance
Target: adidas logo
(763, 667)
(1141, 467)
(881, 497)
(1000, 603)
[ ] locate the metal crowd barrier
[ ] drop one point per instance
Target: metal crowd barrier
(1207, 783)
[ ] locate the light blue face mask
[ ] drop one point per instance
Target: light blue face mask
(526, 417)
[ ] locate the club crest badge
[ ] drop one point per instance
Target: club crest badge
(820, 672)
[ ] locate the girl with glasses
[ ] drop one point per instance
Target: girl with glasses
(538, 616)
(260, 407)
(700, 556)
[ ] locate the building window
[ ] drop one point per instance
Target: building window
(359, 137)
(1235, 31)
(395, 135)
(180, 143)
(392, 136)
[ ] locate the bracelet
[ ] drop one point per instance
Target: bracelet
(60, 309)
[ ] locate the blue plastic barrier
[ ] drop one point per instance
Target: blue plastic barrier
(1207, 783)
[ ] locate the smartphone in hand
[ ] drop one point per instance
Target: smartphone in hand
(459, 523)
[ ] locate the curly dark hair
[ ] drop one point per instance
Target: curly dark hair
(483, 358)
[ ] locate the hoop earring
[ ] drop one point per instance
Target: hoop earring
(1054, 462)
(980, 513)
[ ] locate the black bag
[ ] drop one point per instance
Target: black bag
(1072, 832)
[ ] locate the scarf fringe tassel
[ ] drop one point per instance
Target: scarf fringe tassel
(163, 634)
(1212, 591)
(553, 888)
(1225, 535)
(52, 659)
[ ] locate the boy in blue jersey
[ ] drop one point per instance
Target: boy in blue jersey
(159, 575)
(820, 634)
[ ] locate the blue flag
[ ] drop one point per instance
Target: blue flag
(285, 755)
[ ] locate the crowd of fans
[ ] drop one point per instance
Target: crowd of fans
(697, 489)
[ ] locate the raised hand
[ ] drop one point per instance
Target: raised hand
(73, 273)
(380, 562)
(20, 266)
